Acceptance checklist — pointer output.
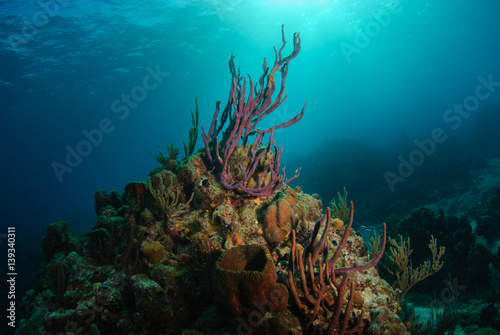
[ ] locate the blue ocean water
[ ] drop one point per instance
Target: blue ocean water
(123, 75)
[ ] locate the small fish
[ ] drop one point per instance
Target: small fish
(366, 231)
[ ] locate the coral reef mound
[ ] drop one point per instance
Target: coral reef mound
(160, 261)
(221, 231)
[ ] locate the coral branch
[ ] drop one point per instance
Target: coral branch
(167, 197)
(193, 131)
(243, 115)
(406, 275)
(315, 289)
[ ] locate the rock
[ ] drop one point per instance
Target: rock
(59, 238)
(153, 251)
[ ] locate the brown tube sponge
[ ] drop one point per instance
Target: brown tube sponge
(245, 281)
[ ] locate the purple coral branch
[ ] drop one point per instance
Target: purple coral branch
(244, 114)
